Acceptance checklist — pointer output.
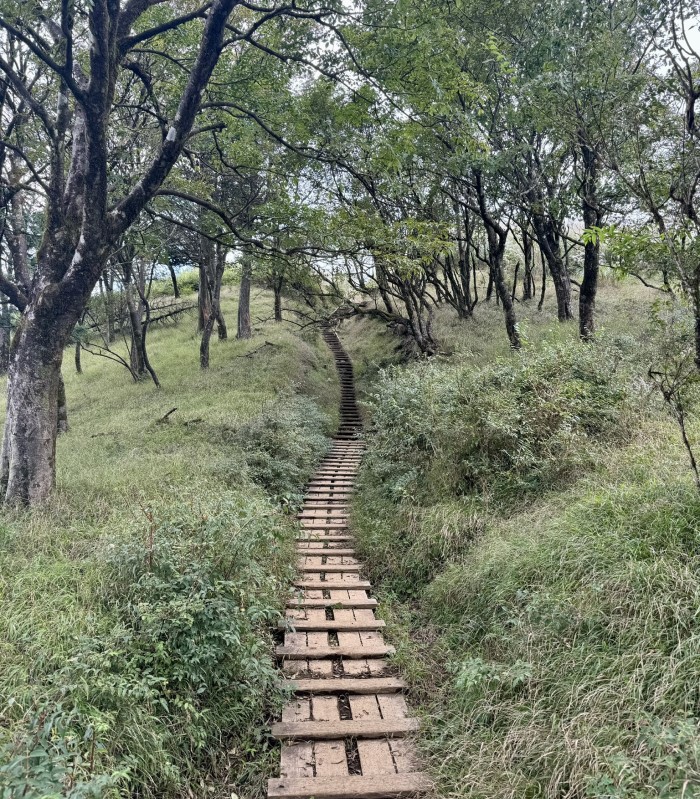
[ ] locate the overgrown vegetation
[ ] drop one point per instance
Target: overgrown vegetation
(533, 525)
(137, 607)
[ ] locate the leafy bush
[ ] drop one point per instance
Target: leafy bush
(284, 444)
(511, 427)
(184, 668)
(188, 281)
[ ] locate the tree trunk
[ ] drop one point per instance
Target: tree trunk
(28, 456)
(212, 308)
(138, 365)
(384, 289)
(489, 287)
(277, 288)
(206, 257)
(106, 283)
(17, 241)
(592, 218)
(528, 278)
(173, 278)
(496, 237)
(244, 327)
(222, 329)
(5, 336)
(206, 338)
(549, 241)
(543, 290)
(62, 407)
(78, 361)
(696, 312)
(508, 306)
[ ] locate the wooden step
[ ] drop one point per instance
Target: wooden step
(341, 471)
(302, 625)
(320, 730)
(349, 685)
(332, 603)
(335, 552)
(330, 568)
(317, 537)
(323, 526)
(352, 652)
(324, 493)
(332, 482)
(340, 505)
(379, 786)
(331, 585)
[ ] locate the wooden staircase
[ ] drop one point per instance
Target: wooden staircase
(344, 736)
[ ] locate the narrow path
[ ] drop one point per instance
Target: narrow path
(343, 736)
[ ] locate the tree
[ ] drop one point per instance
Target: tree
(88, 61)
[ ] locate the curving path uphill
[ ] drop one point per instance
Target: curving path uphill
(344, 734)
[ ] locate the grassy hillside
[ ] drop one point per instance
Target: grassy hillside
(535, 532)
(136, 608)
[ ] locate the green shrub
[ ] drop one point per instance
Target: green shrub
(284, 444)
(184, 667)
(511, 427)
(548, 561)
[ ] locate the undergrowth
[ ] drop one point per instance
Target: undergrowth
(533, 530)
(137, 607)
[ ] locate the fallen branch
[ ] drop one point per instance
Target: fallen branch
(164, 419)
(261, 347)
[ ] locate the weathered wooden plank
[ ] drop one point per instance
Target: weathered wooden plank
(375, 758)
(317, 537)
(365, 707)
(328, 568)
(305, 652)
(329, 585)
(404, 754)
(349, 685)
(330, 759)
(324, 708)
(380, 786)
(326, 730)
(332, 603)
(330, 624)
(297, 760)
(316, 640)
(297, 710)
(393, 707)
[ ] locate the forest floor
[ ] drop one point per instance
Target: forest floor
(176, 531)
(532, 529)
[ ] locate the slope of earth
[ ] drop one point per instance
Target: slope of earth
(535, 543)
(136, 607)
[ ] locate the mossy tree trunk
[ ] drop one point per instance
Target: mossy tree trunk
(245, 329)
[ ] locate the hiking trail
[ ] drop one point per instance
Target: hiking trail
(344, 734)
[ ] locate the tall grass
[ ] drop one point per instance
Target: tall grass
(534, 530)
(136, 606)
